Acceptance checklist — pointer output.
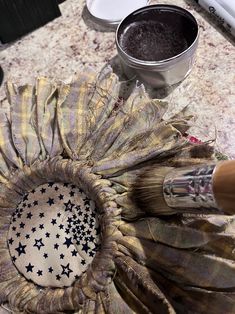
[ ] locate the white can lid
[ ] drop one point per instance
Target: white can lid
(113, 11)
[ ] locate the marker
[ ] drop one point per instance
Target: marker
(223, 11)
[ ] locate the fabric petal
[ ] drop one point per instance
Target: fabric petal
(191, 268)
(139, 281)
(23, 113)
(6, 143)
(47, 124)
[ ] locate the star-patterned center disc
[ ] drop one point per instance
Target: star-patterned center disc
(54, 234)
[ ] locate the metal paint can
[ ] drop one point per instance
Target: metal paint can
(111, 12)
(168, 68)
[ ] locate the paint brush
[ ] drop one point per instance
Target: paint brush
(200, 188)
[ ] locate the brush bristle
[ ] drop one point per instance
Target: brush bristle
(147, 191)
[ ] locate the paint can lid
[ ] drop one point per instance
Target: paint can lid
(111, 12)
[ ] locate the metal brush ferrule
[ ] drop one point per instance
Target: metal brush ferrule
(190, 187)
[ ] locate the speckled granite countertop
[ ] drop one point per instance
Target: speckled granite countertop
(64, 46)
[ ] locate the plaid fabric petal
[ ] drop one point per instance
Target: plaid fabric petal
(23, 117)
(47, 123)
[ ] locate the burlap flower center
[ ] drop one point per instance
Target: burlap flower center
(54, 234)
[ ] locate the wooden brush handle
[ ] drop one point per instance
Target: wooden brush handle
(224, 186)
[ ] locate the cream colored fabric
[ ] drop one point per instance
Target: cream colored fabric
(54, 234)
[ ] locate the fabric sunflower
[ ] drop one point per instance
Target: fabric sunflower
(71, 240)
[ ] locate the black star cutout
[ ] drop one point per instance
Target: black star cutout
(10, 241)
(67, 231)
(18, 234)
(91, 225)
(66, 270)
(82, 227)
(41, 215)
(50, 184)
(45, 255)
(59, 214)
(14, 258)
(83, 262)
(29, 205)
(86, 239)
(61, 196)
(69, 206)
(61, 226)
(58, 277)
(91, 254)
(66, 184)
(85, 220)
(56, 188)
(41, 226)
(33, 229)
(29, 268)
(50, 201)
(76, 277)
(98, 230)
(39, 272)
(85, 247)
(47, 234)
(19, 215)
(68, 242)
(74, 252)
(69, 220)
(22, 225)
(87, 202)
(35, 203)
(71, 193)
(21, 249)
(53, 222)
(57, 236)
(29, 215)
(33, 191)
(43, 190)
(91, 238)
(25, 198)
(93, 215)
(56, 246)
(61, 256)
(14, 228)
(38, 244)
(14, 219)
(50, 270)
(24, 205)
(27, 236)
